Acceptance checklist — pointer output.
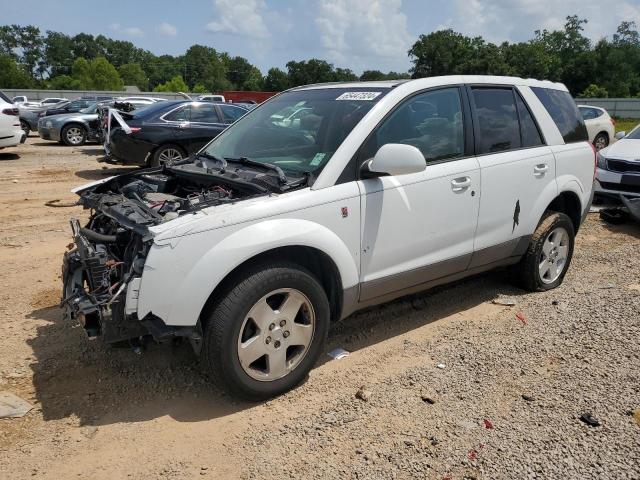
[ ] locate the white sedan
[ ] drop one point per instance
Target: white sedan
(600, 125)
(618, 170)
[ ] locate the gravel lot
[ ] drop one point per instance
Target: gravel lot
(506, 404)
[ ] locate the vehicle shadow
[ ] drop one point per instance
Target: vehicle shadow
(100, 173)
(93, 151)
(8, 156)
(102, 385)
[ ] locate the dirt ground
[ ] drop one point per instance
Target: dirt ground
(506, 403)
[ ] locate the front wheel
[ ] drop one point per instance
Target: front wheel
(548, 256)
(268, 331)
(74, 135)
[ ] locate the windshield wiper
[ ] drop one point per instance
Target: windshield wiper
(268, 166)
(220, 160)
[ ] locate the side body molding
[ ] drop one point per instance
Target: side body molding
(177, 292)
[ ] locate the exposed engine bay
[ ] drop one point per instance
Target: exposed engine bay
(102, 272)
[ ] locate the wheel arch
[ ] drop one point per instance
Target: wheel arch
(568, 202)
(312, 259)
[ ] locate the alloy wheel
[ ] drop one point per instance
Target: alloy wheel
(555, 252)
(75, 135)
(276, 334)
(600, 142)
(169, 155)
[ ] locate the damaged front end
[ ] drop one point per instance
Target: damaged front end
(103, 270)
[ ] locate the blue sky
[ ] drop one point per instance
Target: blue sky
(356, 34)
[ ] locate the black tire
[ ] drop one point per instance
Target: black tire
(223, 323)
(25, 127)
(74, 140)
(527, 271)
(162, 151)
(601, 141)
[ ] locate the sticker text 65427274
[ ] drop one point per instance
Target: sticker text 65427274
(363, 96)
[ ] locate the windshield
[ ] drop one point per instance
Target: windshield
(297, 131)
(92, 108)
(634, 134)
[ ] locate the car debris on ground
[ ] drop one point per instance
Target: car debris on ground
(12, 406)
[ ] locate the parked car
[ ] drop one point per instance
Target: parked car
(72, 106)
(618, 170)
(77, 128)
(169, 131)
(10, 132)
(252, 246)
(50, 101)
(211, 98)
(600, 126)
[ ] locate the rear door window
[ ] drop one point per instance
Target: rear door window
(497, 120)
(181, 114)
(230, 114)
(204, 113)
(529, 131)
(564, 112)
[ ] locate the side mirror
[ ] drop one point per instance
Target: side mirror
(396, 159)
(620, 135)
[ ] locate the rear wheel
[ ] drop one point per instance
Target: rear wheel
(548, 256)
(267, 332)
(601, 141)
(167, 154)
(74, 135)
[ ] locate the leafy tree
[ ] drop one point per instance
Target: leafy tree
(65, 82)
(344, 75)
(81, 72)
(132, 74)
(204, 66)
(311, 71)
(58, 54)
(13, 75)
(176, 84)
(594, 91)
(276, 80)
(104, 75)
(372, 75)
(199, 89)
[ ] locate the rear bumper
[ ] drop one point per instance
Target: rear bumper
(128, 150)
(12, 140)
(47, 133)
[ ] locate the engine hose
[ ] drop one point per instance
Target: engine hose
(98, 237)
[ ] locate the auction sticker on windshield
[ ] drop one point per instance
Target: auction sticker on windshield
(358, 95)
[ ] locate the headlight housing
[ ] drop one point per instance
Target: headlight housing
(49, 124)
(602, 162)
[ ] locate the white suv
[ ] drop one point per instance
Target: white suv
(251, 247)
(11, 134)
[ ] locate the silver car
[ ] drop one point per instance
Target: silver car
(70, 128)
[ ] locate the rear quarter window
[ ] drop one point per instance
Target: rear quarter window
(564, 112)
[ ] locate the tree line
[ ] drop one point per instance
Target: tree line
(32, 59)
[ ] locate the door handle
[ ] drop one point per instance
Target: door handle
(460, 184)
(540, 169)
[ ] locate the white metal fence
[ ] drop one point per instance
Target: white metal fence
(36, 95)
(617, 107)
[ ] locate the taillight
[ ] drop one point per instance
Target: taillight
(11, 111)
(135, 129)
(613, 121)
(595, 159)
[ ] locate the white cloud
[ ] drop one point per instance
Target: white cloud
(501, 20)
(128, 31)
(364, 33)
(240, 17)
(167, 29)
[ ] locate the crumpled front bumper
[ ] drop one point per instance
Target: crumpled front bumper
(89, 297)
